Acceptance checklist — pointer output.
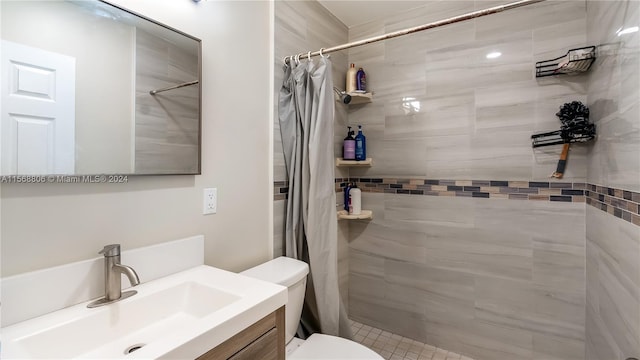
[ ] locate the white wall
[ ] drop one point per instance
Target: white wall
(44, 225)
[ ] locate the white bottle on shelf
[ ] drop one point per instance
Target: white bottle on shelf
(350, 86)
(355, 206)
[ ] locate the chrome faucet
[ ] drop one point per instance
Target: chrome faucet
(113, 271)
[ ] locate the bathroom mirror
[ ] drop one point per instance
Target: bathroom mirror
(77, 78)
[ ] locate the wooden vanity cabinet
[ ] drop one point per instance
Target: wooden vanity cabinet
(263, 340)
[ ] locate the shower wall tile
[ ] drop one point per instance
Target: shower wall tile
(474, 114)
(557, 348)
(373, 295)
(431, 11)
(372, 118)
(424, 117)
(416, 214)
(505, 108)
(516, 304)
(484, 340)
(465, 66)
(613, 284)
(279, 209)
(366, 30)
(396, 81)
(369, 55)
(547, 45)
(613, 239)
(399, 157)
(166, 126)
(614, 95)
(392, 243)
(446, 295)
(528, 18)
(470, 250)
(403, 50)
(343, 262)
(559, 266)
(599, 344)
(540, 219)
(489, 279)
(500, 279)
(365, 263)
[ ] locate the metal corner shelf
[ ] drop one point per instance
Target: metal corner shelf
(364, 215)
(340, 162)
(575, 61)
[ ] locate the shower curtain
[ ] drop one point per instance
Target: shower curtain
(306, 108)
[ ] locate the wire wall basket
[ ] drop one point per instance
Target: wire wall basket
(559, 137)
(573, 62)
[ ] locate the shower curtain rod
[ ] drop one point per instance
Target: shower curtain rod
(452, 20)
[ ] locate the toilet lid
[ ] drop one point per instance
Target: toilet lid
(326, 347)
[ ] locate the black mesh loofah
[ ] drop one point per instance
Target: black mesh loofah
(576, 126)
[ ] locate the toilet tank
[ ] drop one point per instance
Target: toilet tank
(287, 272)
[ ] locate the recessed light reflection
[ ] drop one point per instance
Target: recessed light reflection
(410, 105)
(494, 55)
(628, 30)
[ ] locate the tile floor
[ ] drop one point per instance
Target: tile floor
(395, 347)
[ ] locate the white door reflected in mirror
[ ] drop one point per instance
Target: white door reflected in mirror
(38, 112)
(115, 126)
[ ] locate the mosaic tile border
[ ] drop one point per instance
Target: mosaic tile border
(280, 190)
(620, 203)
(494, 189)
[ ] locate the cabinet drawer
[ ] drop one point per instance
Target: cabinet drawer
(265, 348)
(263, 340)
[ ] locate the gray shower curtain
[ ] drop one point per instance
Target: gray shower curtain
(306, 108)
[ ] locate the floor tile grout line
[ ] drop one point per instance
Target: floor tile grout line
(395, 347)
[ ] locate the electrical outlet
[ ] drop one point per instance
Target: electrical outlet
(210, 201)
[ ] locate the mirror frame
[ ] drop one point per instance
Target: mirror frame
(199, 169)
(147, 25)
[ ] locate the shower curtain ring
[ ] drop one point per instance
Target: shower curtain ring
(321, 55)
(309, 56)
(298, 59)
(285, 59)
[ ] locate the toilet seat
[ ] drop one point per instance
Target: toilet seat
(327, 347)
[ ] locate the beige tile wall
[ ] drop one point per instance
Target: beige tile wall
(487, 278)
(490, 278)
(167, 124)
(475, 115)
(613, 244)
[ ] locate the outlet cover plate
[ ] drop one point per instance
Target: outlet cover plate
(210, 201)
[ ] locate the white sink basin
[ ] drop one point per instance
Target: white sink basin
(178, 316)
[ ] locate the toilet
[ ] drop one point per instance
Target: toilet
(292, 273)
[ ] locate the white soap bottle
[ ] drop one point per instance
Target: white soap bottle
(355, 207)
(351, 79)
